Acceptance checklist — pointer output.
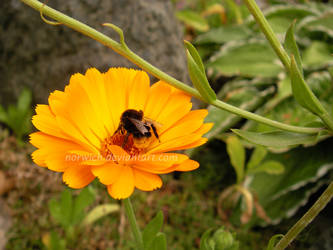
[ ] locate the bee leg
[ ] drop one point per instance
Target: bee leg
(155, 132)
(125, 140)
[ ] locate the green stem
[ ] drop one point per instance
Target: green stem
(135, 229)
(326, 118)
(263, 120)
(130, 55)
(306, 219)
(268, 32)
(278, 48)
(328, 193)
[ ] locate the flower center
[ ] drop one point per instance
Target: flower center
(134, 134)
(118, 138)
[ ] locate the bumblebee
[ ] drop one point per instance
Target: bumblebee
(133, 122)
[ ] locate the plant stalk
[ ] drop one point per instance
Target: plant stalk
(278, 48)
(134, 226)
(268, 32)
(130, 55)
(306, 219)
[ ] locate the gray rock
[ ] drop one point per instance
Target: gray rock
(42, 57)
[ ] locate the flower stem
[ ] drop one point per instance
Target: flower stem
(264, 120)
(278, 48)
(306, 219)
(130, 55)
(135, 229)
(268, 32)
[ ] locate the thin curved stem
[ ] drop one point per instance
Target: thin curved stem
(280, 51)
(306, 219)
(130, 55)
(268, 32)
(264, 120)
(134, 226)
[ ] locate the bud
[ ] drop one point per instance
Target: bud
(220, 240)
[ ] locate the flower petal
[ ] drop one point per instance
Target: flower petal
(195, 144)
(78, 176)
(52, 144)
(180, 130)
(146, 181)
(107, 173)
(45, 121)
(123, 187)
(175, 144)
(70, 129)
(59, 162)
(158, 96)
(187, 165)
(58, 102)
(138, 91)
(82, 113)
(94, 87)
(53, 152)
(119, 154)
(38, 157)
(177, 107)
(160, 163)
(204, 128)
(160, 160)
(117, 84)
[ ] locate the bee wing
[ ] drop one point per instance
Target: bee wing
(139, 125)
(156, 124)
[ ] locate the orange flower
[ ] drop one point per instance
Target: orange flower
(81, 133)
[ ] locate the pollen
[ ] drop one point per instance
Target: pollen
(118, 139)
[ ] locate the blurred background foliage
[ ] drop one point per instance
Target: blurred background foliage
(254, 192)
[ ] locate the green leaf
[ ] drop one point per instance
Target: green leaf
(26, 123)
(13, 119)
(66, 206)
(195, 55)
(273, 241)
(55, 210)
(204, 241)
(3, 115)
(249, 59)
(317, 55)
(193, 19)
(306, 170)
(151, 230)
(280, 16)
(291, 46)
(257, 156)
(199, 80)
(320, 26)
(234, 11)
(98, 212)
(24, 101)
(284, 108)
(83, 200)
(236, 153)
(56, 242)
(302, 92)
(223, 34)
(276, 138)
(270, 167)
(18, 118)
(159, 242)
